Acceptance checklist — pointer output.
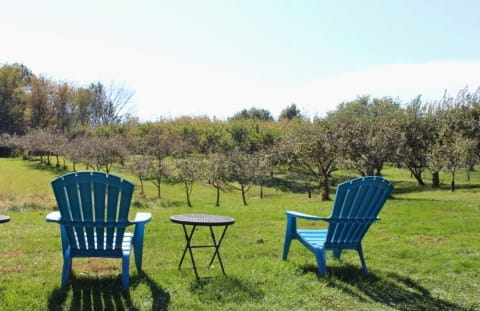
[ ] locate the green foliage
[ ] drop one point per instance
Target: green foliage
(312, 153)
(54, 119)
(423, 254)
(253, 114)
(13, 79)
(31, 102)
(290, 113)
(368, 133)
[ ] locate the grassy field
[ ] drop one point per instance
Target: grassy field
(423, 255)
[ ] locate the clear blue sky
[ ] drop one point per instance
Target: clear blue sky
(215, 58)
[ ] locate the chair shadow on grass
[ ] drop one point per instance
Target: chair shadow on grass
(105, 293)
(391, 289)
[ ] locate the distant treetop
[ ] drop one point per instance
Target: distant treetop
(290, 113)
(253, 113)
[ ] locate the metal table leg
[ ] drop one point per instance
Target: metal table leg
(188, 238)
(217, 247)
(189, 246)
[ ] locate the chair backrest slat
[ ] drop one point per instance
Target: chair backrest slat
(76, 232)
(112, 207)
(356, 207)
(85, 190)
(124, 207)
(94, 209)
(99, 202)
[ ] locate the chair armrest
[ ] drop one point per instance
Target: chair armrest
(142, 218)
(53, 217)
(305, 216)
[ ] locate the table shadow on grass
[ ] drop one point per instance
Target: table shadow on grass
(391, 289)
(106, 293)
(226, 289)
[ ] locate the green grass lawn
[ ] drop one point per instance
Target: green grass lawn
(423, 255)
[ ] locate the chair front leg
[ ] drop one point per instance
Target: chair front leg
(320, 256)
(138, 244)
(290, 233)
(64, 237)
(362, 259)
(67, 266)
(125, 271)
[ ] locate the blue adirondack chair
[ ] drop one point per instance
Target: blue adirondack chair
(93, 215)
(356, 206)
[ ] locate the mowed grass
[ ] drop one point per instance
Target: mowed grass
(423, 255)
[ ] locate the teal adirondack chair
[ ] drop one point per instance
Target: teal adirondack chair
(356, 206)
(93, 215)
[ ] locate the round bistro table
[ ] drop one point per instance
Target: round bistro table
(202, 220)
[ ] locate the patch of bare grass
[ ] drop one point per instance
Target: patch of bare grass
(13, 202)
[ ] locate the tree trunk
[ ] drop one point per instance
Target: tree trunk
(417, 173)
(370, 171)
(452, 184)
(326, 188)
(187, 192)
(435, 180)
(243, 195)
(158, 188)
(142, 190)
(218, 196)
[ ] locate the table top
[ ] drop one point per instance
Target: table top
(202, 220)
(4, 218)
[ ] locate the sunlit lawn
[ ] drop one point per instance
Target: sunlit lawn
(423, 255)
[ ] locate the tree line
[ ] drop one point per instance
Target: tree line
(56, 122)
(28, 101)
